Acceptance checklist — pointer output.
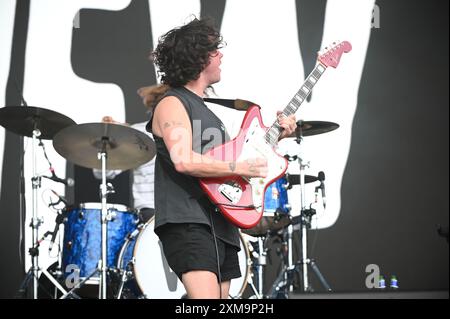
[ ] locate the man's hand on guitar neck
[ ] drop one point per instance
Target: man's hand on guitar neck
(288, 123)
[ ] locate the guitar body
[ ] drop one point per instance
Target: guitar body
(241, 200)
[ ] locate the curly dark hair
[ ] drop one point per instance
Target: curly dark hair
(183, 52)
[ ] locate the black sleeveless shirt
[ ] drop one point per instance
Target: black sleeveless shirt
(179, 197)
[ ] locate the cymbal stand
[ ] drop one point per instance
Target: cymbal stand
(260, 257)
(105, 189)
(35, 224)
(305, 224)
(102, 155)
(35, 221)
(262, 261)
(283, 284)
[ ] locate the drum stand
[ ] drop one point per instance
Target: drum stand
(36, 221)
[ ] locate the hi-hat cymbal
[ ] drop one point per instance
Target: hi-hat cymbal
(294, 179)
(308, 128)
(23, 120)
(126, 147)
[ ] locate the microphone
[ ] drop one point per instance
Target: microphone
(321, 178)
(69, 182)
(59, 220)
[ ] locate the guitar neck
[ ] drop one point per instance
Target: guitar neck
(275, 130)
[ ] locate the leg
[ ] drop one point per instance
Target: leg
(201, 284)
(208, 289)
(225, 289)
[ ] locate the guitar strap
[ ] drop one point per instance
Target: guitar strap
(237, 104)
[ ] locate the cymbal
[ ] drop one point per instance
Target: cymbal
(294, 179)
(125, 146)
(23, 120)
(308, 128)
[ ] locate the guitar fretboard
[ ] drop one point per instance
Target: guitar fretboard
(274, 132)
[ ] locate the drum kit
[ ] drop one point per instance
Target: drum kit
(92, 232)
(109, 247)
(278, 222)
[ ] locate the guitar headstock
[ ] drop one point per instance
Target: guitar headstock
(332, 56)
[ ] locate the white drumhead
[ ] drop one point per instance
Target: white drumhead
(153, 275)
(158, 281)
(238, 285)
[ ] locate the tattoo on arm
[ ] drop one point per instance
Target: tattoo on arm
(232, 166)
(172, 123)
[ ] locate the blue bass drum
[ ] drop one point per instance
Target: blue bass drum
(82, 237)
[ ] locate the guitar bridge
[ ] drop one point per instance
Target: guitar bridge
(231, 191)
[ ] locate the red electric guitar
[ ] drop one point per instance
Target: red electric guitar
(241, 199)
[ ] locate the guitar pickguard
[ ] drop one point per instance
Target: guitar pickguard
(255, 146)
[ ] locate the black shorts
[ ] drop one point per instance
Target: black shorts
(191, 247)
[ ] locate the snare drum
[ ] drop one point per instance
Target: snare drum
(82, 237)
(149, 275)
(276, 209)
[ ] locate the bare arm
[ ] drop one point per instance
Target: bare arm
(171, 122)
